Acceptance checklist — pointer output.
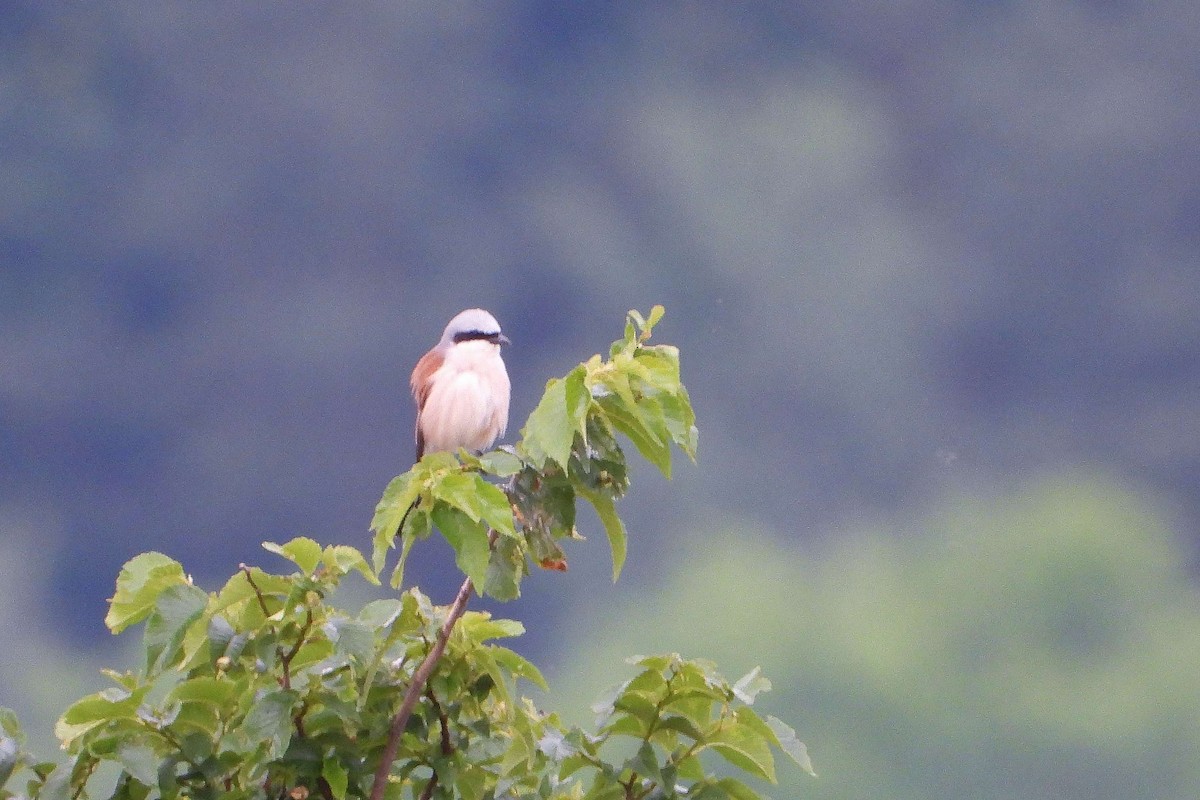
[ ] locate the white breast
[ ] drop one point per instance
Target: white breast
(468, 399)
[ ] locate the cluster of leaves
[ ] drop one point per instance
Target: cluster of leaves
(673, 711)
(265, 689)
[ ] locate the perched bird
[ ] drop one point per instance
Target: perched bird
(461, 387)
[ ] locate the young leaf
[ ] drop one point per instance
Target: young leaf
(726, 789)
(336, 776)
(479, 627)
(204, 689)
(140, 761)
(10, 753)
(636, 425)
(343, 558)
(468, 538)
(785, 737)
(301, 551)
(550, 430)
(506, 567)
(501, 463)
(397, 499)
(478, 499)
(750, 684)
(177, 607)
(743, 747)
(140, 582)
(519, 667)
(270, 720)
(645, 763)
(405, 548)
(614, 528)
(656, 313)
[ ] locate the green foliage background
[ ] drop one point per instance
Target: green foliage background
(1036, 644)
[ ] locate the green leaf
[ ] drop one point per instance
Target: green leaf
(10, 754)
(750, 684)
(478, 627)
(549, 432)
(397, 498)
(656, 313)
(382, 613)
(343, 558)
(10, 725)
(501, 463)
(614, 528)
(336, 776)
(140, 582)
(57, 785)
(176, 608)
(478, 499)
(506, 567)
(655, 662)
(468, 538)
(471, 783)
(353, 638)
(239, 591)
(645, 763)
(659, 367)
(270, 720)
(302, 551)
(649, 682)
(216, 692)
(405, 549)
(140, 761)
(519, 667)
(635, 424)
(786, 739)
(103, 706)
(726, 789)
(681, 724)
(743, 747)
(637, 705)
(98, 709)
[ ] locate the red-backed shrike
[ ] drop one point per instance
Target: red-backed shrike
(461, 387)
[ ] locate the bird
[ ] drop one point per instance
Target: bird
(461, 387)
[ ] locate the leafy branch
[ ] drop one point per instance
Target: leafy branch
(264, 689)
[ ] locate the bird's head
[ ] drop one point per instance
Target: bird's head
(474, 324)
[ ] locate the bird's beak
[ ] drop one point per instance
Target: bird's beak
(502, 339)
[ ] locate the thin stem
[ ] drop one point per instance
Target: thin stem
(285, 659)
(443, 721)
(430, 787)
(629, 793)
(262, 603)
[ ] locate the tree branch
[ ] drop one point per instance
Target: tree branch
(421, 676)
(417, 686)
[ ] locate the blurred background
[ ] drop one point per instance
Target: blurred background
(934, 269)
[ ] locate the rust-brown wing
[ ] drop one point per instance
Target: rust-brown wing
(420, 383)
